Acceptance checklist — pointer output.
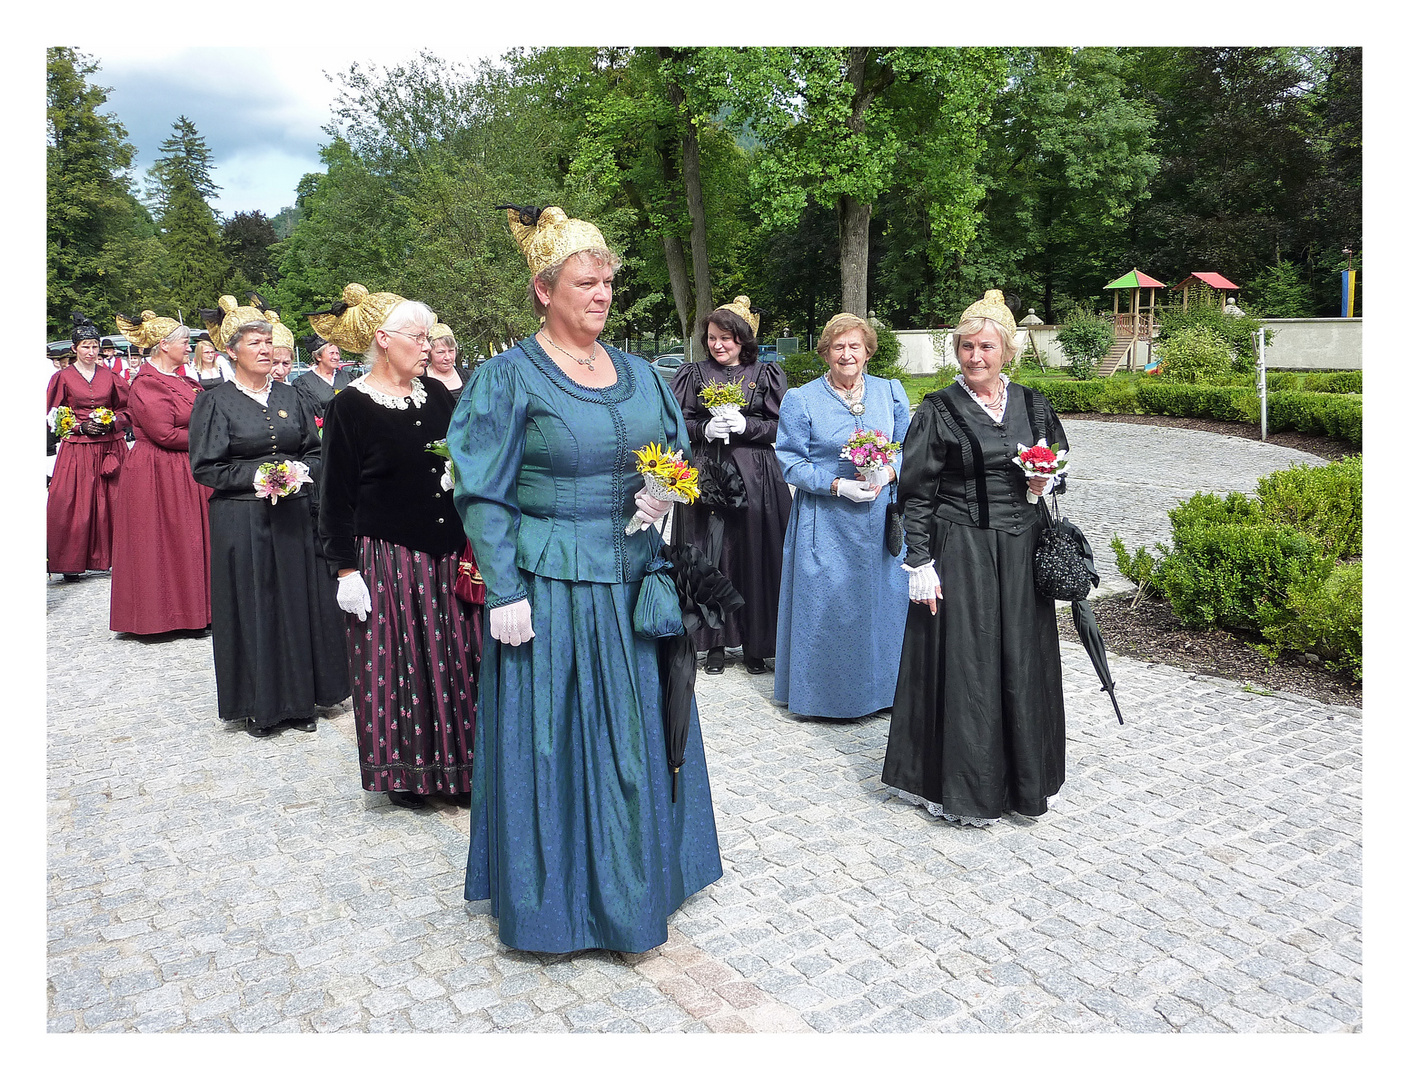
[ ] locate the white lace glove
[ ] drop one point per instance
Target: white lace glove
(736, 421)
(512, 623)
(650, 509)
(858, 491)
(353, 596)
(924, 583)
(717, 428)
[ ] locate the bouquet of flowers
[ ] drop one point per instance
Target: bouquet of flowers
(447, 478)
(1041, 460)
(872, 453)
(723, 399)
(61, 421)
(274, 479)
(667, 477)
(102, 416)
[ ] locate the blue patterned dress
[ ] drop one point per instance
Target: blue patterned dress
(841, 611)
(574, 838)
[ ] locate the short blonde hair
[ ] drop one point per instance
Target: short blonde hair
(841, 324)
(977, 325)
(603, 257)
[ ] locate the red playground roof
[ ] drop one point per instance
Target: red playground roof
(1135, 280)
(1208, 277)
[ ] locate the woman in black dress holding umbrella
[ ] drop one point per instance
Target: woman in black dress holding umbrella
(751, 552)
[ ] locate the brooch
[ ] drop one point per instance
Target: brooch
(283, 414)
(753, 386)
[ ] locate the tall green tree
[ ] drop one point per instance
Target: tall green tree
(249, 238)
(197, 267)
(103, 255)
(185, 160)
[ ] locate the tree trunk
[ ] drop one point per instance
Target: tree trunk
(855, 235)
(679, 281)
(699, 247)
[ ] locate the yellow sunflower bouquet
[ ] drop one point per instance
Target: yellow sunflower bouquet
(667, 477)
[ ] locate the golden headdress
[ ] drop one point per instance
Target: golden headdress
(440, 330)
(147, 329)
(740, 307)
(548, 236)
(992, 307)
(283, 336)
(351, 322)
(229, 317)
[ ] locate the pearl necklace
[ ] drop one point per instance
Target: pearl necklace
(854, 398)
(587, 363)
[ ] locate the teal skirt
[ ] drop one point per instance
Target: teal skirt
(574, 839)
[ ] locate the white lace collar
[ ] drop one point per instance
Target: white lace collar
(261, 396)
(998, 408)
(390, 401)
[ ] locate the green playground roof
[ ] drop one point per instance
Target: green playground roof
(1135, 280)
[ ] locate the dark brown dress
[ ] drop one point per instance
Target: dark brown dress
(752, 554)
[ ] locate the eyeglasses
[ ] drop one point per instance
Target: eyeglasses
(419, 339)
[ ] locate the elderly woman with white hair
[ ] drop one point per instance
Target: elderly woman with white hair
(279, 650)
(161, 529)
(978, 729)
(388, 526)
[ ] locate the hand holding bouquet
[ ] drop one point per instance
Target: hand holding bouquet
(1041, 462)
(276, 479)
(440, 449)
(873, 454)
(668, 479)
(725, 399)
(61, 421)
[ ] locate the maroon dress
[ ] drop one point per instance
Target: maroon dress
(161, 525)
(84, 488)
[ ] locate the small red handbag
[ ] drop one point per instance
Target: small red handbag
(469, 586)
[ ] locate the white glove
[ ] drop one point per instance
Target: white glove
(353, 596)
(512, 624)
(924, 583)
(736, 421)
(649, 509)
(717, 428)
(856, 490)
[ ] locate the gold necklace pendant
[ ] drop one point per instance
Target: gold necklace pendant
(587, 363)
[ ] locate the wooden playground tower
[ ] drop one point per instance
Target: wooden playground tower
(1135, 324)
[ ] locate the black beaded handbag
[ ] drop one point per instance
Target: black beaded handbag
(1064, 567)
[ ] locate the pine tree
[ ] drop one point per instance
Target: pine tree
(198, 268)
(184, 155)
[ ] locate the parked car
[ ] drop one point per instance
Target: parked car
(768, 354)
(669, 363)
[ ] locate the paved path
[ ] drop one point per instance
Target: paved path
(1200, 871)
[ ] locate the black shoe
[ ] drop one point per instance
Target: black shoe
(259, 732)
(754, 665)
(405, 798)
(72, 577)
(305, 724)
(714, 661)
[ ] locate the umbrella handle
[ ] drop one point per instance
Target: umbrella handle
(675, 782)
(1115, 705)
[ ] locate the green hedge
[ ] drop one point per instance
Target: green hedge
(1316, 382)
(1336, 415)
(1197, 400)
(1323, 501)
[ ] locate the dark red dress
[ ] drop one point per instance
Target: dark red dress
(84, 488)
(161, 527)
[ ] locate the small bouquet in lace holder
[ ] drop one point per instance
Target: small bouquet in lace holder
(61, 421)
(440, 449)
(103, 416)
(278, 479)
(1041, 460)
(667, 477)
(873, 454)
(723, 399)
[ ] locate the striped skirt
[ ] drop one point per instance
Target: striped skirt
(414, 663)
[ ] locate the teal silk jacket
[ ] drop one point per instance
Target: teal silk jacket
(545, 474)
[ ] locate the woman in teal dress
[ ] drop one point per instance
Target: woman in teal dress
(574, 838)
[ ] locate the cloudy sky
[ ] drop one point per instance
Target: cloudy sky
(261, 110)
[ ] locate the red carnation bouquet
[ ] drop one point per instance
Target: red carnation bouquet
(1041, 460)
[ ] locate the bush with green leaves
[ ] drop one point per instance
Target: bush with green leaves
(1337, 415)
(1139, 569)
(1085, 339)
(885, 361)
(1323, 501)
(1326, 618)
(803, 367)
(1281, 292)
(1161, 398)
(1238, 332)
(1068, 396)
(1194, 354)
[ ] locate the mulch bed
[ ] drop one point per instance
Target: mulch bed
(1320, 445)
(1150, 631)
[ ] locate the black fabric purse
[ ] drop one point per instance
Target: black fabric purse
(1064, 567)
(895, 530)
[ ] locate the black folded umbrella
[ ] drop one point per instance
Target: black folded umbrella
(706, 596)
(721, 491)
(1090, 634)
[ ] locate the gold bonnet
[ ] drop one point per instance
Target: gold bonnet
(440, 330)
(992, 307)
(229, 317)
(351, 322)
(548, 236)
(740, 307)
(283, 336)
(147, 330)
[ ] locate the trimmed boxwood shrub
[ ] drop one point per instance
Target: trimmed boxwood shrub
(1184, 399)
(1326, 618)
(1336, 415)
(1323, 501)
(1068, 396)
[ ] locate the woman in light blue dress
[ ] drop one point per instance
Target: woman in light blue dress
(575, 839)
(842, 607)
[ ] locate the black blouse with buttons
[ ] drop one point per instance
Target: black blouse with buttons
(379, 479)
(232, 434)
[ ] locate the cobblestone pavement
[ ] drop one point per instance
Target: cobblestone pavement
(1200, 871)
